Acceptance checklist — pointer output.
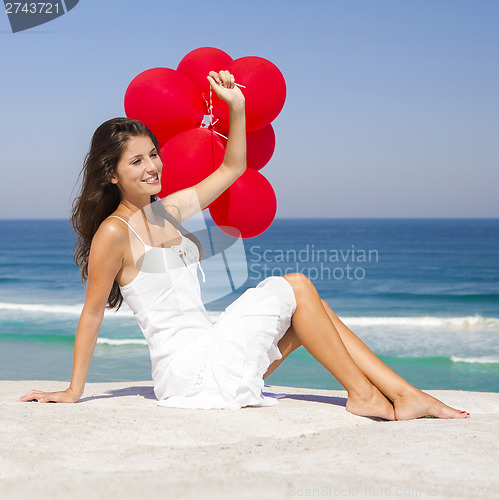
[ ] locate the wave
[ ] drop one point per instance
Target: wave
(455, 297)
(424, 321)
(400, 321)
(481, 360)
(140, 343)
(72, 310)
(69, 339)
(106, 341)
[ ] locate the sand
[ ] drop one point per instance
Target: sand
(115, 443)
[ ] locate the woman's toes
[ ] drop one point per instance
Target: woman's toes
(420, 404)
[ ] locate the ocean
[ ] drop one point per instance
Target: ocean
(423, 294)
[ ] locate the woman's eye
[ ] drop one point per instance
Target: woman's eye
(153, 155)
(136, 162)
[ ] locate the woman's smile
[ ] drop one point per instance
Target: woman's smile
(154, 179)
(139, 164)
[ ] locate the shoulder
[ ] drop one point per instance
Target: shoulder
(111, 236)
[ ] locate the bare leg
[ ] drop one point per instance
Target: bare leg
(288, 343)
(318, 334)
(408, 401)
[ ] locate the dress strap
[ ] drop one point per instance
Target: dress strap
(131, 228)
(202, 272)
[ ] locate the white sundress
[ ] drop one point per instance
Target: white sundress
(197, 363)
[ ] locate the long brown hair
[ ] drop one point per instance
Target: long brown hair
(99, 198)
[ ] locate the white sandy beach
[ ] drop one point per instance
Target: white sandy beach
(115, 443)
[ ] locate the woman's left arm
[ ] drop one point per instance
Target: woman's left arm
(192, 200)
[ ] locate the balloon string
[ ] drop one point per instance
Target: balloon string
(221, 135)
(209, 105)
(210, 109)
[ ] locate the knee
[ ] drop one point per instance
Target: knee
(328, 309)
(326, 305)
(301, 284)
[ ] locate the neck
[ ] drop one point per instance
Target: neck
(133, 206)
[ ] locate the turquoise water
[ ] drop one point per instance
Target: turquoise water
(423, 294)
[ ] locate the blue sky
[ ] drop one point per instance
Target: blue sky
(392, 107)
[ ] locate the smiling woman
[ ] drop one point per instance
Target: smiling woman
(115, 146)
(121, 177)
(140, 164)
(133, 247)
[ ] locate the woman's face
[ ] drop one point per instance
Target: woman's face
(139, 169)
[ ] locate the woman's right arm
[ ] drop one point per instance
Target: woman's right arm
(192, 200)
(105, 261)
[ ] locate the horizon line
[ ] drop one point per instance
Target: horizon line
(303, 218)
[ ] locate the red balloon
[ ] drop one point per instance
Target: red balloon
(265, 91)
(165, 100)
(189, 158)
(198, 63)
(247, 208)
(260, 146)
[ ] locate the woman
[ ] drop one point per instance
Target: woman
(196, 364)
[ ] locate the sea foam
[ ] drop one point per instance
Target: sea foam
(401, 321)
(484, 360)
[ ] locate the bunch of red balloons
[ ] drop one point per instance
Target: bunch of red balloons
(174, 105)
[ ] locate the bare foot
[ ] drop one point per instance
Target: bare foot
(417, 404)
(370, 404)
